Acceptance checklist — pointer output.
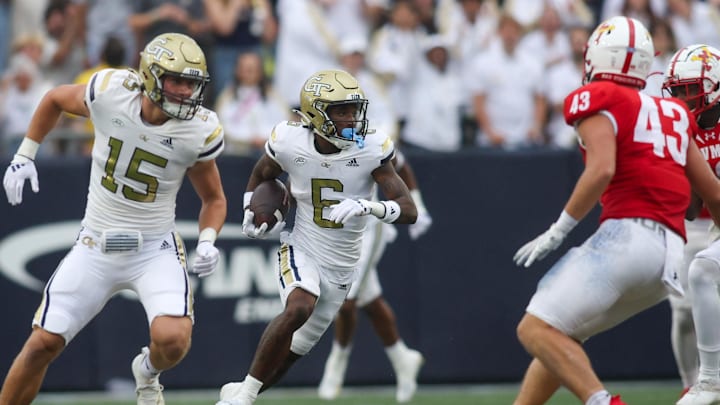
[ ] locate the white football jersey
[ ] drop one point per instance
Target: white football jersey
(320, 181)
(137, 168)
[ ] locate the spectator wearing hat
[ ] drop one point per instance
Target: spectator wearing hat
(435, 101)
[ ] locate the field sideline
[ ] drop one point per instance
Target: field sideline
(633, 393)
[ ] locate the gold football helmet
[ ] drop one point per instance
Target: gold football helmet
(328, 88)
(174, 54)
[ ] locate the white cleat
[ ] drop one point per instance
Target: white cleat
(230, 394)
(149, 390)
(705, 392)
(406, 373)
(333, 376)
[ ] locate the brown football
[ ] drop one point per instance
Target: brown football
(269, 202)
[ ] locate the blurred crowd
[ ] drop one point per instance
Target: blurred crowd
(441, 75)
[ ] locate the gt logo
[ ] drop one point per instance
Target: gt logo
(158, 51)
(316, 88)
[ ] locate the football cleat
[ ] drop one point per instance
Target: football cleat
(334, 375)
(149, 391)
(616, 400)
(705, 392)
(406, 373)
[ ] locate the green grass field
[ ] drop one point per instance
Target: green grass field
(635, 393)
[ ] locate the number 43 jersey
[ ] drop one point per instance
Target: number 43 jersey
(138, 168)
(652, 139)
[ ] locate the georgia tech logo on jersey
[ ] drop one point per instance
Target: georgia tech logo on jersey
(316, 88)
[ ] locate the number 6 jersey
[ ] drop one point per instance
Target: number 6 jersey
(652, 138)
(319, 181)
(138, 168)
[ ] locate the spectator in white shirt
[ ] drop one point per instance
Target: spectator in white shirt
(507, 87)
(434, 101)
(249, 108)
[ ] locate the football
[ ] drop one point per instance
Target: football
(270, 202)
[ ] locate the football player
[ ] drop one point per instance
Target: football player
(693, 75)
(640, 162)
(150, 131)
(333, 166)
(366, 293)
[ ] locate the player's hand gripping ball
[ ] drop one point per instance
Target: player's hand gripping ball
(270, 203)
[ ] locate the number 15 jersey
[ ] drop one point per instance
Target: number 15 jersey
(138, 168)
(652, 138)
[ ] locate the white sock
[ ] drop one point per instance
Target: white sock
(599, 398)
(708, 365)
(251, 386)
(396, 351)
(343, 351)
(147, 369)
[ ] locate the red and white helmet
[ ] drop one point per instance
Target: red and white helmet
(694, 75)
(621, 50)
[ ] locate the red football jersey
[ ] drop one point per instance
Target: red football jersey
(708, 141)
(652, 137)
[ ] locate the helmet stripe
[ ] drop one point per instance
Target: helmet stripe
(631, 46)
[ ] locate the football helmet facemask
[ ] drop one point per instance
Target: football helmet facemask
(178, 55)
(694, 75)
(331, 88)
(620, 50)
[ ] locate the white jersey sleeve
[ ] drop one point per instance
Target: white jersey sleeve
(138, 168)
(319, 181)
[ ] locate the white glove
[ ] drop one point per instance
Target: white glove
(206, 259)
(421, 225)
(21, 168)
(348, 208)
(539, 247)
(260, 232)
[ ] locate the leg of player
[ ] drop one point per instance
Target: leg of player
(273, 356)
(682, 331)
(563, 357)
(405, 361)
(538, 385)
(704, 277)
(26, 374)
(337, 361)
(169, 343)
(684, 344)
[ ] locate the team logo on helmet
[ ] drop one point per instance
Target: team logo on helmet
(703, 56)
(605, 28)
(317, 88)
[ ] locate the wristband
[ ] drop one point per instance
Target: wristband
(28, 148)
(417, 198)
(208, 234)
(246, 199)
(565, 222)
(392, 211)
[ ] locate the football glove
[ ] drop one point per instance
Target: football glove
(539, 247)
(421, 225)
(259, 232)
(206, 258)
(348, 208)
(21, 168)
